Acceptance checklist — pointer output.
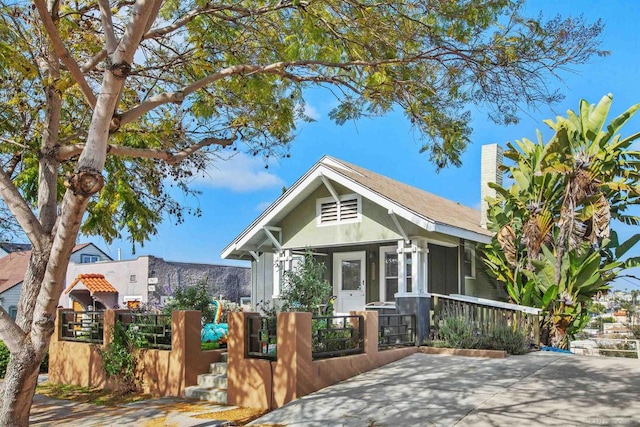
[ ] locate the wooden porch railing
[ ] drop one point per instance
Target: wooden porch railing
(485, 315)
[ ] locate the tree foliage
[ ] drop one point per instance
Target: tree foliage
(554, 247)
(105, 105)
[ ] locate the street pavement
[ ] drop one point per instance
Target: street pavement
(537, 389)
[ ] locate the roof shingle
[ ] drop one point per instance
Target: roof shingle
(95, 283)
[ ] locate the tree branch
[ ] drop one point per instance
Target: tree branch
(61, 51)
(21, 211)
(107, 24)
(69, 151)
(278, 68)
(10, 333)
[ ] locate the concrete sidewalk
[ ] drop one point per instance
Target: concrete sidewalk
(429, 390)
(150, 413)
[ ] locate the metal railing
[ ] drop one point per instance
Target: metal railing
(335, 336)
(82, 326)
(261, 337)
(607, 347)
(396, 330)
(485, 315)
(155, 329)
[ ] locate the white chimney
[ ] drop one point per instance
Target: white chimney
(490, 163)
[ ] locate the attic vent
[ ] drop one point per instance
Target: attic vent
(331, 212)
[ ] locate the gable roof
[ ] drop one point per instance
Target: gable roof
(84, 245)
(426, 210)
(12, 269)
(9, 247)
(95, 283)
(13, 266)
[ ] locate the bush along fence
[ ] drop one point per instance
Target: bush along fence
(170, 356)
(272, 363)
(471, 323)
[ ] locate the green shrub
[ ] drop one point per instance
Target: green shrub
(44, 366)
(4, 360)
(457, 332)
(192, 298)
(228, 307)
(120, 358)
(513, 341)
(305, 288)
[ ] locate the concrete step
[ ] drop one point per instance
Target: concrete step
(219, 368)
(212, 381)
(209, 394)
(224, 357)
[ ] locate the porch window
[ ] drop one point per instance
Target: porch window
(469, 261)
(390, 275)
(389, 272)
(408, 269)
(346, 210)
(351, 275)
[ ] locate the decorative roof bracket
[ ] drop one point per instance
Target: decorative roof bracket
(268, 231)
(397, 223)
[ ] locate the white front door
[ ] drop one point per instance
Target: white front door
(349, 277)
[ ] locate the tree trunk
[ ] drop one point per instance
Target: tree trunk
(24, 365)
(20, 385)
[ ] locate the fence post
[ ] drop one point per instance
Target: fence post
(293, 375)
(638, 349)
(109, 323)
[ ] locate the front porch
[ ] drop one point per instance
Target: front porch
(378, 273)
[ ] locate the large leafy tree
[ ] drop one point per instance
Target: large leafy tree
(104, 102)
(554, 247)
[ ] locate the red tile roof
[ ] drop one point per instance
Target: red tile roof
(95, 283)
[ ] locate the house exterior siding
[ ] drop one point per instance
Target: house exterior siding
(300, 229)
(262, 279)
(92, 250)
(11, 297)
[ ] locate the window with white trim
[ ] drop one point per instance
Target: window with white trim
(347, 209)
(86, 259)
(469, 260)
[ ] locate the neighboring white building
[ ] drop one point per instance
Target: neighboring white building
(13, 267)
(150, 280)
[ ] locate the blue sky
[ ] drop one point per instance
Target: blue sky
(235, 192)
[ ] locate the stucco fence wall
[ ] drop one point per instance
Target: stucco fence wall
(165, 372)
(265, 384)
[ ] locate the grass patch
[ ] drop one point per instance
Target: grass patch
(209, 346)
(93, 395)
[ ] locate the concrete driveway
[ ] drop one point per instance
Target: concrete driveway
(542, 388)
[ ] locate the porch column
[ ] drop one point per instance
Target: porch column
(416, 268)
(418, 301)
(402, 270)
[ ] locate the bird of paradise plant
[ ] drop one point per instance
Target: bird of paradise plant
(554, 247)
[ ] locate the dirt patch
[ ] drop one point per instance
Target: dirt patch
(240, 416)
(93, 395)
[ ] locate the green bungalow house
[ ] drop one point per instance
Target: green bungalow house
(380, 239)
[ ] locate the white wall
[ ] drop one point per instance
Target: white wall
(118, 273)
